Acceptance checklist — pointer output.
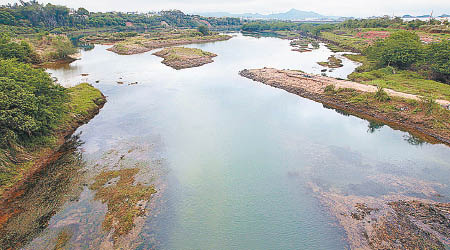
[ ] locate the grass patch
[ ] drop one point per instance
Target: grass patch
(425, 111)
(84, 98)
(403, 81)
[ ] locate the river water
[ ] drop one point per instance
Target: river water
(232, 160)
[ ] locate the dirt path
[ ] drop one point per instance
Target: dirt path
(318, 83)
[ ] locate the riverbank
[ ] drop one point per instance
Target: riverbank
(21, 163)
(421, 117)
(182, 58)
(147, 42)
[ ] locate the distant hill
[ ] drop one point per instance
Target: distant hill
(292, 14)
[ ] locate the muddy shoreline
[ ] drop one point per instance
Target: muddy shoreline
(312, 87)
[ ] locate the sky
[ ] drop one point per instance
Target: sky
(355, 8)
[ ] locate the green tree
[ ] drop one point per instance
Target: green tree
(438, 58)
(63, 47)
(203, 29)
(82, 11)
(30, 103)
(22, 51)
(401, 49)
(7, 18)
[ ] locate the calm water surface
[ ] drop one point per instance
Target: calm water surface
(233, 157)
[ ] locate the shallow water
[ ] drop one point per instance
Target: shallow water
(232, 159)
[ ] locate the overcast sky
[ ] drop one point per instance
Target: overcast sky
(357, 8)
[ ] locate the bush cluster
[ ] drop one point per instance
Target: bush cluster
(404, 50)
(30, 103)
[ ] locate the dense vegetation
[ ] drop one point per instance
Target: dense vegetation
(404, 50)
(36, 49)
(30, 103)
(431, 25)
(57, 19)
(22, 51)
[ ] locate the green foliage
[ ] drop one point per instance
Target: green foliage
(60, 18)
(269, 26)
(82, 12)
(330, 89)
(401, 49)
(63, 47)
(22, 51)
(84, 98)
(403, 81)
(30, 103)
(6, 17)
(438, 59)
(429, 105)
(381, 95)
(203, 29)
(382, 22)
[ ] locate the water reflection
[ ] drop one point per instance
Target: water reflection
(42, 197)
(374, 126)
(414, 140)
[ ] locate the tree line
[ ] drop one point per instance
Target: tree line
(49, 17)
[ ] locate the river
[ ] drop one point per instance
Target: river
(233, 160)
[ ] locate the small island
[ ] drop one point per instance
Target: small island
(332, 62)
(182, 58)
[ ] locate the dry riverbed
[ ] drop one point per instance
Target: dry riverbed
(181, 57)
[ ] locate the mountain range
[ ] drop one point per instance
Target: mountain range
(292, 14)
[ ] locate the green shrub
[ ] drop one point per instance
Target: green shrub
(203, 29)
(330, 89)
(438, 58)
(401, 49)
(30, 103)
(381, 95)
(63, 47)
(22, 51)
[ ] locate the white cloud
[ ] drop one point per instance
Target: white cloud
(359, 8)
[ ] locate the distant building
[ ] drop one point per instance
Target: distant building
(129, 24)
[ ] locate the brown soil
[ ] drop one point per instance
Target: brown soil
(313, 87)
